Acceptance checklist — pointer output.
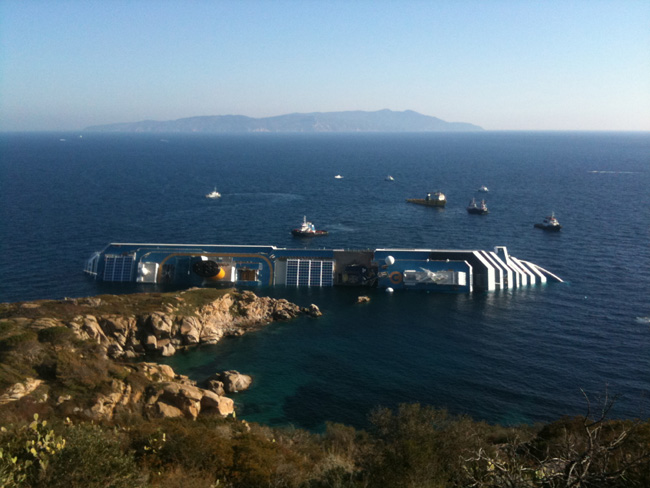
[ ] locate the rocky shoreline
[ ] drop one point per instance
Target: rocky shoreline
(127, 327)
(172, 328)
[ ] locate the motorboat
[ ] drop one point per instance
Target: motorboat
(338, 177)
(213, 194)
(307, 229)
(478, 209)
(438, 199)
(483, 189)
(390, 178)
(549, 223)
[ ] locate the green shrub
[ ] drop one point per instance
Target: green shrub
(26, 452)
(84, 372)
(419, 446)
(57, 336)
(6, 326)
(204, 445)
(93, 458)
(17, 340)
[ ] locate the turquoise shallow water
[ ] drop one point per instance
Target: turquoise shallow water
(503, 357)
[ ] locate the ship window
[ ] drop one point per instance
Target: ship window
(292, 272)
(315, 273)
(327, 273)
(304, 272)
(118, 268)
(245, 274)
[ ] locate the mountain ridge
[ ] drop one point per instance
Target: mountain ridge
(348, 121)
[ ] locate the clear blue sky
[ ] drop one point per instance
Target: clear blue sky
(504, 65)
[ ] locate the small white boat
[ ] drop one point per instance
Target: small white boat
(390, 178)
(338, 177)
(213, 194)
(483, 189)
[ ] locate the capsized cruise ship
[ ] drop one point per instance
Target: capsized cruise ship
(447, 271)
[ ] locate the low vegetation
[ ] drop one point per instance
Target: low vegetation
(125, 305)
(415, 446)
(46, 442)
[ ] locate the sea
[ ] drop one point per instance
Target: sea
(515, 356)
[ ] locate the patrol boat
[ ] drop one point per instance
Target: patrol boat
(307, 229)
(550, 223)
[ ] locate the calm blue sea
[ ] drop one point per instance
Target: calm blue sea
(517, 356)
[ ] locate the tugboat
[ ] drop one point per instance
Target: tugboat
(474, 208)
(550, 223)
(213, 194)
(438, 199)
(308, 230)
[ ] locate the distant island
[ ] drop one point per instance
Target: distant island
(351, 121)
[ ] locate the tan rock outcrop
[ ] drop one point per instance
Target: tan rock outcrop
(211, 402)
(234, 381)
(168, 395)
(19, 390)
(154, 389)
(157, 372)
(166, 330)
(87, 328)
(164, 410)
(104, 404)
(160, 324)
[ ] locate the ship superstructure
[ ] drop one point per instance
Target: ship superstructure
(460, 271)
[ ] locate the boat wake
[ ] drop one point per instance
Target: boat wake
(342, 228)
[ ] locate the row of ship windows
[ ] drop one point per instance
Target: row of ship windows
(309, 273)
(299, 272)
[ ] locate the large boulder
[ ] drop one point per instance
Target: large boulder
(160, 324)
(187, 398)
(157, 372)
(164, 410)
(312, 310)
(215, 386)
(213, 330)
(211, 402)
(234, 381)
(190, 330)
(118, 327)
(87, 328)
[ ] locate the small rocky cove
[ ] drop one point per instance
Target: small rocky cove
(98, 342)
